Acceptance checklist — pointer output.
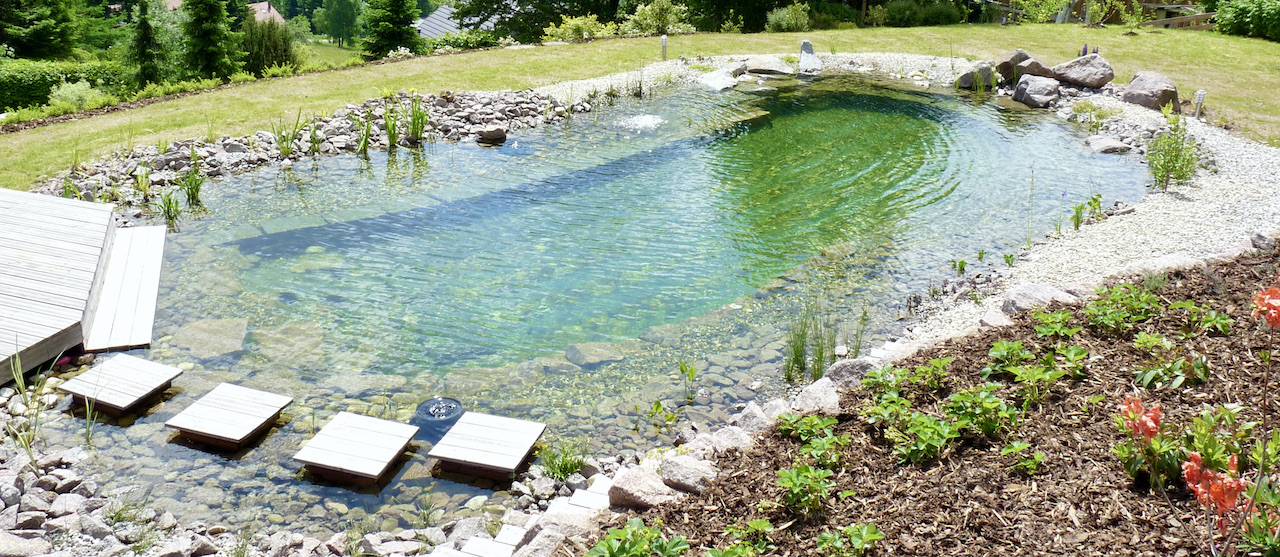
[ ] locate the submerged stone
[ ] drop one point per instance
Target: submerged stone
(210, 338)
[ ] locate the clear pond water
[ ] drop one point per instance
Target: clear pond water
(684, 226)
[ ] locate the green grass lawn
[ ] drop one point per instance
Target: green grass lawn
(1240, 75)
(327, 52)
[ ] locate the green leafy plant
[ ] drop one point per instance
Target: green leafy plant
(797, 347)
(1009, 258)
(1071, 359)
(1189, 370)
(170, 210)
(1036, 380)
(808, 489)
(749, 540)
(1171, 156)
(982, 254)
(365, 127)
(1151, 343)
(659, 416)
(1029, 464)
(1055, 324)
(286, 135)
(1200, 320)
(825, 451)
(563, 457)
(1117, 309)
(933, 374)
(824, 335)
(1151, 448)
(923, 438)
(1077, 216)
(142, 182)
(888, 411)
(1217, 434)
(854, 540)
(391, 117)
(979, 410)
(806, 428)
(190, 184)
(958, 265)
(418, 120)
(1005, 354)
(688, 374)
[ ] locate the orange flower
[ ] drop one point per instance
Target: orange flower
(1139, 422)
(1217, 490)
(1266, 304)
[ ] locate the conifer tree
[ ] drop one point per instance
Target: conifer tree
(210, 44)
(38, 28)
(391, 27)
(144, 50)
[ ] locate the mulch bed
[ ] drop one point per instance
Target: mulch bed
(970, 502)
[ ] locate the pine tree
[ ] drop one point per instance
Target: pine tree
(144, 50)
(38, 28)
(391, 27)
(209, 40)
(267, 44)
(236, 12)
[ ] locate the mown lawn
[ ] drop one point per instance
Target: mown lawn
(331, 53)
(1240, 75)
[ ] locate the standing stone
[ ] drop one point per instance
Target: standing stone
(1086, 71)
(809, 62)
(1035, 91)
(1152, 90)
(1008, 64)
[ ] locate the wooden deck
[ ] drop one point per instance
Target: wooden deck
(50, 255)
(120, 383)
(487, 446)
(125, 312)
(355, 449)
(230, 416)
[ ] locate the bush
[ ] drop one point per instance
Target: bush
(876, 15)
(463, 40)
(829, 15)
(240, 77)
(789, 19)
(80, 95)
(940, 13)
(578, 28)
(164, 89)
(1250, 18)
(902, 13)
(29, 82)
(1171, 156)
(267, 44)
(659, 17)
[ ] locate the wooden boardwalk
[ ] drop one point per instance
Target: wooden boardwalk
(120, 383)
(230, 416)
(355, 449)
(50, 257)
(125, 312)
(67, 275)
(487, 446)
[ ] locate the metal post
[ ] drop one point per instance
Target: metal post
(664, 47)
(1199, 102)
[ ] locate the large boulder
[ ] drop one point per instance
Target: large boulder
(718, 80)
(1031, 66)
(1007, 65)
(687, 473)
(820, 397)
(1107, 145)
(849, 372)
(980, 73)
(1023, 297)
(640, 488)
(1035, 91)
(1152, 90)
(809, 62)
(13, 546)
(1091, 71)
(768, 65)
(591, 354)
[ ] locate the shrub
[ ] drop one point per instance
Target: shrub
(267, 44)
(165, 89)
(829, 15)
(80, 95)
(1171, 156)
(1250, 18)
(463, 40)
(877, 15)
(564, 457)
(578, 28)
(788, 19)
(659, 17)
(940, 13)
(902, 13)
(29, 82)
(240, 77)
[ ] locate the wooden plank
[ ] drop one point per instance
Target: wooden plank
(38, 318)
(14, 236)
(230, 412)
(482, 459)
(125, 313)
(122, 381)
(22, 261)
(59, 225)
(47, 203)
(32, 252)
(359, 445)
(8, 303)
(481, 442)
(143, 318)
(54, 279)
(502, 423)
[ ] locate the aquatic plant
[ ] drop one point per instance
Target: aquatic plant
(365, 126)
(825, 333)
(315, 139)
(285, 135)
(1009, 258)
(563, 457)
(170, 210)
(418, 120)
(391, 116)
(859, 333)
(797, 347)
(1077, 216)
(69, 189)
(190, 183)
(688, 374)
(142, 182)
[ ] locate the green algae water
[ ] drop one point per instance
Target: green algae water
(686, 226)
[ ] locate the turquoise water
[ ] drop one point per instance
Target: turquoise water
(695, 221)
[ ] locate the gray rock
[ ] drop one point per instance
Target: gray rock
(819, 397)
(1091, 71)
(1032, 66)
(1262, 242)
(776, 407)
(543, 488)
(1007, 65)
(567, 520)
(751, 419)
(30, 520)
(1024, 297)
(809, 62)
(494, 134)
(1108, 145)
(69, 524)
(9, 518)
(9, 494)
(94, 527)
(686, 473)
(1152, 90)
(210, 338)
(718, 80)
(771, 65)
(466, 529)
(731, 437)
(66, 504)
(639, 488)
(590, 467)
(544, 544)
(1162, 264)
(233, 147)
(202, 545)
(576, 481)
(1035, 91)
(166, 521)
(592, 354)
(399, 547)
(994, 318)
(848, 372)
(33, 502)
(981, 73)
(13, 546)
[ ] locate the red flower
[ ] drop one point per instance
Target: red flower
(1266, 304)
(1217, 490)
(1139, 422)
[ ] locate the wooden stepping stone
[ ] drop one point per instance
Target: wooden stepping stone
(355, 449)
(121, 382)
(487, 446)
(229, 416)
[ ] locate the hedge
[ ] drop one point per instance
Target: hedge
(28, 82)
(1250, 18)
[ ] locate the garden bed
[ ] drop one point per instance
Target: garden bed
(971, 500)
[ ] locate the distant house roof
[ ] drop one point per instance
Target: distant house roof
(264, 11)
(441, 22)
(173, 4)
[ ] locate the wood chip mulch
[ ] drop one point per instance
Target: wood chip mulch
(970, 501)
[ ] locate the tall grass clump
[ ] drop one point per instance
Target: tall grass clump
(286, 135)
(365, 126)
(824, 334)
(171, 209)
(797, 347)
(564, 457)
(1171, 157)
(418, 120)
(392, 118)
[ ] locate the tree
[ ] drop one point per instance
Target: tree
(711, 14)
(38, 28)
(209, 39)
(524, 20)
(340, 19)
(145, 49)
(236, 12)
(391, 27)
(267, 44)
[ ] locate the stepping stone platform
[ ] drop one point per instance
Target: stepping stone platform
(487, 446)
(355, 449)
(229, 416)
(120, 383)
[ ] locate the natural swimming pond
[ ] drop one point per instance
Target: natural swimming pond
(685, 226)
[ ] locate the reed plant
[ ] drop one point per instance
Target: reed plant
(365, 126)
(286, 135)
(825, 333)
(170, 209)
(314, 133)
(391, 117)
(191, 182)
(418, 120)
(796, 363)
(859, 333)
(142, 182)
